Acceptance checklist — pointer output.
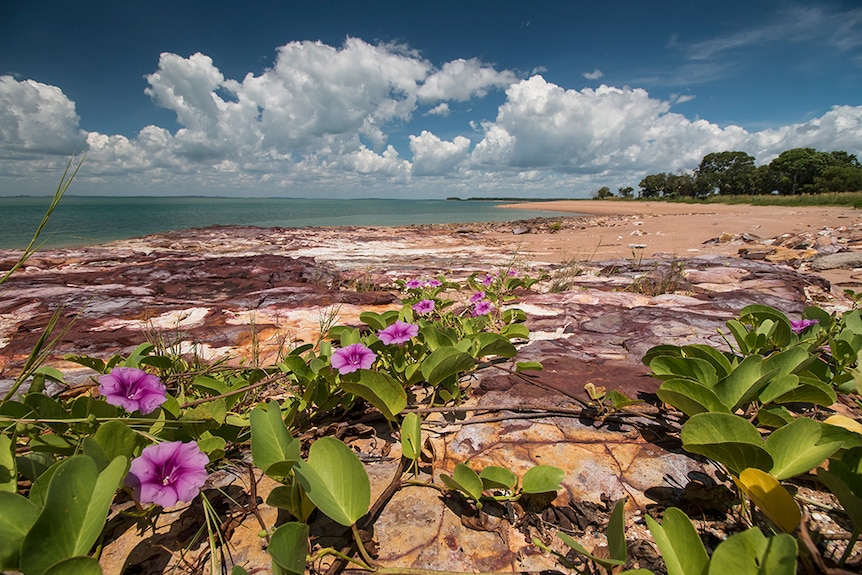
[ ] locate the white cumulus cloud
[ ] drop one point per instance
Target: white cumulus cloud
(433, 156)
(37, 118)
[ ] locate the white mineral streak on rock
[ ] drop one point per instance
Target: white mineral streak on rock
(178, 319)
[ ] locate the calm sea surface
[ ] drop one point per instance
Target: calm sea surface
(80, 220)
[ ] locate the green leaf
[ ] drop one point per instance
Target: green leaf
(779, 385)
(380, 390)
(8, 468)
(210, 384)
(729, 439)
(465, 480)
(515, 331)
(411, 436)
(795, 450)
(445, 362)
(18, 516)
(774, 417)
(680, 547)
(494, 344)
(75, 566)
(76, 506)
(335, 481)
(693, 368)
(528, 366)
(719, 360)
(690, 397)
(293, 498)
(116, 438)
(541, 479)
(288, 546)
(496, 477)
(273, 449)
(809, 390)
(616, 532)
(743, 383)
(663, 349)
(752, 553)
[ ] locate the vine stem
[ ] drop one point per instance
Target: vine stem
(417, 571)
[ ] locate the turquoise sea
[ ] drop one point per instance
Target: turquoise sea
(89, 220)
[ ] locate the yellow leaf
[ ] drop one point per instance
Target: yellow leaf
(771, 497)
(845, 422)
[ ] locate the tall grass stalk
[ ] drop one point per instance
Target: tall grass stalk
(31, 248)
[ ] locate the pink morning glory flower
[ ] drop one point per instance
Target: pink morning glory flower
(167, 472)
(133, 389)
(398, 333)
(483, 307)
(433, 283)
(424, 306)
(802, 324)
(512, 273)
(478, 296)
(413, 284)
(487, 280)
(354, 356)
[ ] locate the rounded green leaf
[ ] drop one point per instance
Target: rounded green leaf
(380, 390)
(411, 436)
(335, 481)
(541, 479)
(288, 546)
(465, 480)
(752, 553)
(76, 505)
(690, 397)
(795, 448)
(693, 368)
(445, 362)
(496, 477)
(680, 546)
(273, 449)
(76, 566)
(8, 468)
(18, 515)
(729, 439)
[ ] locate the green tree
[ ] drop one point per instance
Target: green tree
(626, 192)
(603, 193)
(653, 185)
(839, 179)
(795, 170)
(727, 173)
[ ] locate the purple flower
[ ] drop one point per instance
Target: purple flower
(483, 307)
(424, 306)
(512, 273)
(478, 296)
(398, 333)
(167, 472)
(133, 389)
(802, 324)
(413, 284)
(487, 280)
(354, 356)
(433, 283)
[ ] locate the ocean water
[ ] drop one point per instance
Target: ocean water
(85, 220)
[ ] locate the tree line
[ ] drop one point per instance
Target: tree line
(793, 172)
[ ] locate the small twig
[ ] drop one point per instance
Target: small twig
(261, 383)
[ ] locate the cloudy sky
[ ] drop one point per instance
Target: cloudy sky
(407, 99)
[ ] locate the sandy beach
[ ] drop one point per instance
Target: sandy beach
(673, 229)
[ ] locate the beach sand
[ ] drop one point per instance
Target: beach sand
(670, 228)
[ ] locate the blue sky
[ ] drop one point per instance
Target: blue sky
(405, 99)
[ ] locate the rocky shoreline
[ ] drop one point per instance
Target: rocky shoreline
(249, 293)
